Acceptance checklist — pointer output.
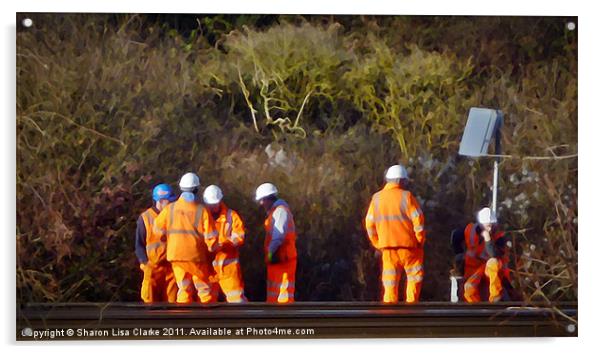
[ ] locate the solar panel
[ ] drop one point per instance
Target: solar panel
(480, 127)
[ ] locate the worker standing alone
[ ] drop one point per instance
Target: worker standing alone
(485, 256)
(158, 283)
(231, 235)
(395, 226)
(191, 235)
(279, 246)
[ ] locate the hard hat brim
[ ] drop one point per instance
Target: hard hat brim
(212, 201)
(258, 199)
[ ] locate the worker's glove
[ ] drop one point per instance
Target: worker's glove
(273, 258)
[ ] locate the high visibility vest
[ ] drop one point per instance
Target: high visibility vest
(190, 231)
(229, 226)
(397, 217)
(476, 254)
(288, 249)
(155, 241)
(231, 232)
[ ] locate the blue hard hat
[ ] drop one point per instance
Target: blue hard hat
(163, 191)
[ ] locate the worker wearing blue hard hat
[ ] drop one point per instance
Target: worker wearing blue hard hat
(158, 284)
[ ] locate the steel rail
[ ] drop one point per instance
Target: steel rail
(322, 319)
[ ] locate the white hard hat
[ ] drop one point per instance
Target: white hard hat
(265, 190)
(189, 181)
(486, 216)
(396, 172)
(212, 195)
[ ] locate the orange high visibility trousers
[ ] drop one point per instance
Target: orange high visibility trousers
(281, 282)
(396, 261)
(492, 270)
(158, 284)
(229, 276)
(195, 275)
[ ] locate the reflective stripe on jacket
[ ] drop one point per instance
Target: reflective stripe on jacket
(155, 239)
(231, 235)
(394, 219)
(190, 231)
(287, 249)
(476, 253)
(230, 227)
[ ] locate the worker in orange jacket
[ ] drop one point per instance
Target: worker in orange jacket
(158, 283)
(231, 235)
(485, 257)
(395, 226)
(279, 246)
(191, 236)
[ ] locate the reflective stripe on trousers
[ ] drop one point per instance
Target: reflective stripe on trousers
(224, 262)
(491, 270)
(281, 282)
(395, 262)
(187, 273)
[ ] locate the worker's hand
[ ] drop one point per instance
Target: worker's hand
(486, 235)
(273, 258)
(142, 266)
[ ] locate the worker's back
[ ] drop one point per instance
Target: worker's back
(393, 211)
(186, 224)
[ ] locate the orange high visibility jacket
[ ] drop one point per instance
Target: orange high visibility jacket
(230, 228)
(155, 241)
(287, 249)
(190, 231)
(394, 219)
(476, 254)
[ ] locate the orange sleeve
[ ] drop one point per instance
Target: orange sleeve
(371, 226)
(238, 230)
(417, 218)
(208, 230)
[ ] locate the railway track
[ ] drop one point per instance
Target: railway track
(83, 321)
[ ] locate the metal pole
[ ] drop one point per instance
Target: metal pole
(496, 161)
(495, 177)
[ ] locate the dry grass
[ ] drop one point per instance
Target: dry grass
(109, 106)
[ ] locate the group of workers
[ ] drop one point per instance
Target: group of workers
(188, 249)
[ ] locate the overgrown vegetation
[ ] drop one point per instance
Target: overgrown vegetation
(108, 106)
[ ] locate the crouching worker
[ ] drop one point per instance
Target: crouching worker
(158, 284)
(191, 235)
(231, 233)
(485, 258)
(279, 246)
